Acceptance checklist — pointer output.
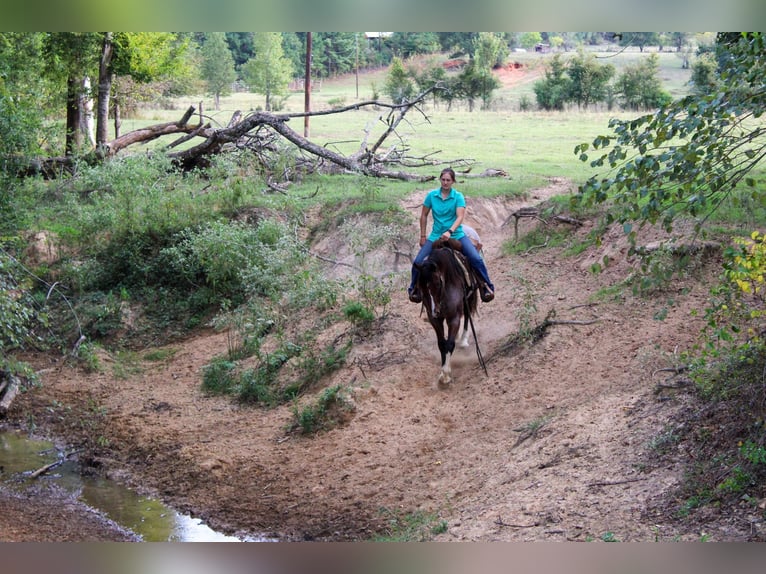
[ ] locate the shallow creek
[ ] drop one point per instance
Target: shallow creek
(153, 521)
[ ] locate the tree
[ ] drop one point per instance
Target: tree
(73, 57)
(703, 77)
(529, 40)
(552, 91)
(589, 79)
(639, 86)
(640, 39)
(679, 40)
(217, 66)
(692, 154)
(475, 83)
(142, 56)
(268, 72)
(456, 43)
(408, 44)
(399, 86)
(22, 80)
(489, 50)
(241, 46)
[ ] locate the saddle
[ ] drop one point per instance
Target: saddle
(472, 279)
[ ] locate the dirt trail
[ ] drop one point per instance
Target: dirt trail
(551, 445)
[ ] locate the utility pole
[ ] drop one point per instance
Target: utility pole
(356, 41)
(307, 86)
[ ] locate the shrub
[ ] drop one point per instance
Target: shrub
(329, 410)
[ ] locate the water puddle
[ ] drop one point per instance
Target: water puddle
(154, 521)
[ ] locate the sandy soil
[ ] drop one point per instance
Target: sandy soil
(554, 443)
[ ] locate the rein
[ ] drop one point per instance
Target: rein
(468, 288)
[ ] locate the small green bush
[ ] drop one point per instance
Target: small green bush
(218, 376)
(327, 411)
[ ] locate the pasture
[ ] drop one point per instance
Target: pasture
(530, 146)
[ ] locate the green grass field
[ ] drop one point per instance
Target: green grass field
(530, 146)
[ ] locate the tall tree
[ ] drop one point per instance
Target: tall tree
(143, 58)
(552, 92)
(241, 46)
(217, 66)
(639, 86)
(268, 72)
(457, 43)
(489, 50)
(589, 79)
(640, 39)
(73, 56)
(22, 80)
(399, 86)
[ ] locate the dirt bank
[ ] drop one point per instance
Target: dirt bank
(553, 444)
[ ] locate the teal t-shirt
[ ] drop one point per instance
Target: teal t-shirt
(444, 212)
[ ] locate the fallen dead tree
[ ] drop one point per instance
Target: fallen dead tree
(9, 388)
(268, 135)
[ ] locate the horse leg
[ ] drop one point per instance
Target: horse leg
(453, 326)
(446, 347)
(464, 336)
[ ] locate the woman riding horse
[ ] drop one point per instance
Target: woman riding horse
(447, 205)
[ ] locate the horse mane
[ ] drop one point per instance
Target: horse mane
(446, 259)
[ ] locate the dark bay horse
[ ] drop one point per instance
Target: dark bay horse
(450, 294)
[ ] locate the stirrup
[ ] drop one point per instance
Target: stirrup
(414, 295)
(487, 294)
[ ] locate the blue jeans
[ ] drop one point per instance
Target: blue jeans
(469, 250)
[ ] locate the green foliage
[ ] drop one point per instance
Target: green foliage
(359, 314)
(639, 88)
(22, 80)
(540, 236)
(489, 50)
(687, 157)
(217, 66)
(729, 374)
(589, 79)
(704, 78)
(18, 312)
(476, 82)
(399, 86)
(553, 91)
(279, 376)
(268, 72)
(327, 411)
(417, 526)
(218, 376)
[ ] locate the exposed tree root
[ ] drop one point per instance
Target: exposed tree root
(515, 342)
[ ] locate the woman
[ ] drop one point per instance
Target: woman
(447, 207)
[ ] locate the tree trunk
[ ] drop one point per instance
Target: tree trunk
(104, 90)
(117, 119)
(86, 113)
(73, 116)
